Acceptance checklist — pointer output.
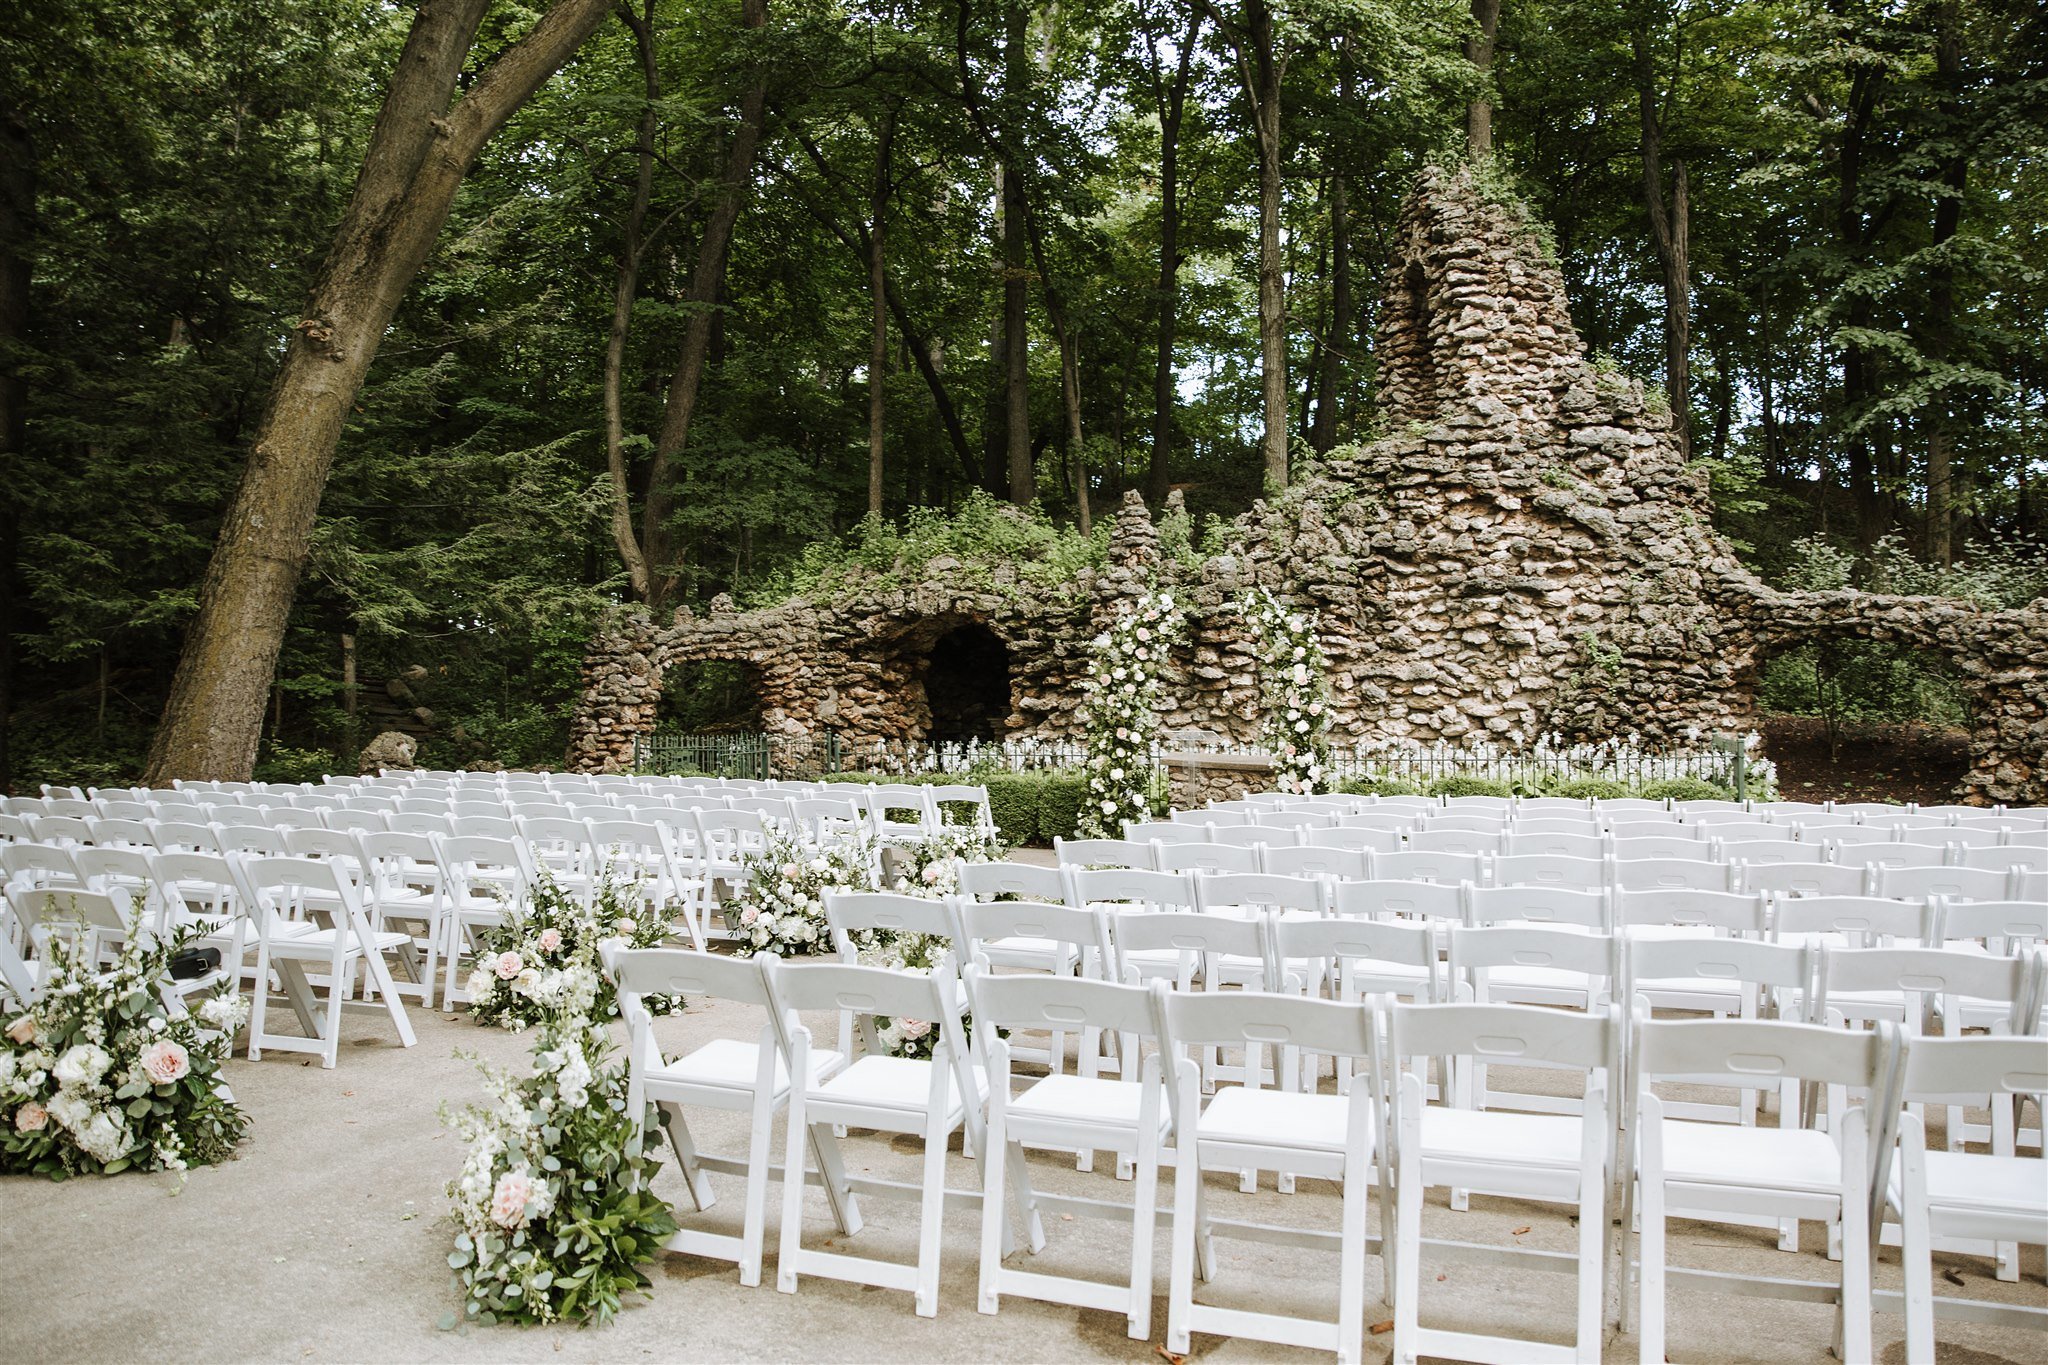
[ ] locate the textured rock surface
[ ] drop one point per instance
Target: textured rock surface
(1524, 552)
(390, 749)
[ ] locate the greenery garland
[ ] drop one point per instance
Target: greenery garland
(1122, 715)
(1294, 690)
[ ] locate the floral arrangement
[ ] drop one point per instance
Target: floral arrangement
(103, 1074)
(931, 866)
(1122, 715)
(1295, 690)
(779, 907)
(556, 1215)
(541, 961)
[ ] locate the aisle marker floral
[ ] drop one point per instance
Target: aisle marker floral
(1294, 691)
(1122, 715)
(542, 959)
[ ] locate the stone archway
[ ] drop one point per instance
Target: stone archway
(967, 684)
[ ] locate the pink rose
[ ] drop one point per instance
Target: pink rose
(749, 915)
(626, 926)
(23, 1030)
(915, 1028)
(509, 966)
(509, 1199)
(31, 1118)
(550, 940)
(164, 1061)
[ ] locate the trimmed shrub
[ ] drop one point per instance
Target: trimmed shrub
(862, 779)
(1686, 789)
(1059, 806)
(1589, 788)
(1459, 785)
(1014, 800)
(1377, 786)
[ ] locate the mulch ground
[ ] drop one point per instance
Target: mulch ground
(1872, 763)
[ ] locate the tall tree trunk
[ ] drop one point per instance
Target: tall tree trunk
(707, 282)
(1479, 51)
(995, 420)
(1941, 294)
(1016, 277)
(419, 152)
(1172, 104)
(626, 287)
(17, 250)
(878, 288)
(1671, 232)
(1267, 66)
(1322, 437)
(1859, 368)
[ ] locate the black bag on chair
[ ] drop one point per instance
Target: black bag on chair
(190, 964)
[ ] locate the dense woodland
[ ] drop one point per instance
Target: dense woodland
(744, 287)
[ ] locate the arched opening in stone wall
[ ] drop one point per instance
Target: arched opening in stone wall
(714, 696)
(967, 684)
(1848, 716)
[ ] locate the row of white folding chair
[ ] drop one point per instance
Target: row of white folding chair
(1635, 806)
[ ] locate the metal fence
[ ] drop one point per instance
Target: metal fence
(755, 755)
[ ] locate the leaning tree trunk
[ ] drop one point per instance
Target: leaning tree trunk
(419, 152)
(1479, 51)
(1670, 231)
(625, 288)
(1173, 109)
(1267, 65)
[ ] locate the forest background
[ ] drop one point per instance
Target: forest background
(753, 291)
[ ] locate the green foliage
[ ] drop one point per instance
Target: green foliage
(1060, 804)
(1014, 799)
(1377, 786)
(1589, 789)
(1685, 789)
(1460, 785)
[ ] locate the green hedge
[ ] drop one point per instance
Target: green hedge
(1467, 786)
(1590, 788)
(1014, 798)
(1377, 786)
(1686, 789)
(1029, 808)
(1059, 809)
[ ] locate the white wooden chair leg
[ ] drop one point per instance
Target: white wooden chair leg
(1856, 1312)
(931, 1213)
(1187, 1184)
(1144, 1210)
(795, 1150)
(993, 1172)
(1916, 1244)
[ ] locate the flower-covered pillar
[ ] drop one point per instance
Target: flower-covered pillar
(1121, 715)
(1294, 689)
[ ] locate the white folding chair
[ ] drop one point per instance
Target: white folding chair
(1949, 883)
(1096, 853)
(1086, 1112)
(1210, 857)
(486, 879)
(1447, 869)
(1549, 1157)
(723, 1074)
(398, 898)
(1697, 1170)
(944, 799)
(1802, 879)
(1317, 860)
(1943, 1198)
(1364, 839)
(287, 897)
(889, 800)
(1330, 1137)
(925, 1099)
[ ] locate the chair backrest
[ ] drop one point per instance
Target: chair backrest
(988, 921)
(210, 875)
(1396, 819)
(355, 819)
(473, 858)
(1969, 1068)
(1296, 819)
(1656, 829)
(172, 836)
(1349, 940)
(1379, 899)
(1644, 874)
(1546, 806)
(388, 850)
(1491, 822)
(486, 826)
(2011, 923)
(1803, 879)
(1748, 1052)
(40, 863)
(320, 842)
(1582, 823)
(1105, 853)
(65, 909)
(129, 867)
(947, 797)
(1150, 931)
(1546, 905)
(1165, 831)
(1950, 883)
(255, 840)
(1209, 858)
(1765, 851)
(1459, 841)
(855, 912)
(1216, 813)
(687, 974)
(420, 822)
(819, 985)
(1754, 962)
(1248, 836)
(1356, 839)
(1163, 890)
(62, 829)
(1265, 891)
(1058, 1004)
(1506, 1034)
(1639, 848)
(1924, 972)
(1727, 911)
(1867, 921)
(115, 833)
(1473, 951)
(987, 881)
(1446, 869)
(1550, 869)
(1254, 1020)
(1314, 861)
(1521, 843)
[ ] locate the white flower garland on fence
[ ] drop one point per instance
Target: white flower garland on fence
(1122, 710)
(1294, 689)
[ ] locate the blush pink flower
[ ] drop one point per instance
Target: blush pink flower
(915, 1028)
(509, 1199)
(164, 1061)
(551, 940)
(509, 966)
(626, 926)
(23, 1030)
(31, 1118)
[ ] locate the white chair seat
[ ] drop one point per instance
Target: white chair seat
(1085, 1099)
(319, 943)
(1991, 1184)
(1485, 1134)
(1277, 1118)
(1023, 948)
(1724, 1154)
(729, 1064)
(895, 1083)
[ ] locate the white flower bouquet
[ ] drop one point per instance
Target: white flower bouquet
(779, 907)
(542, 961)
(930, 867)
(1294, 687)
(556, 1216)
(1122, 715)
(103, 1075)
